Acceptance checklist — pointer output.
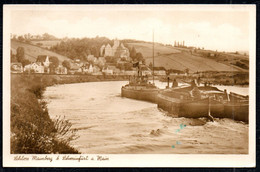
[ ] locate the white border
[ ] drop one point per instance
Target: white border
(133, 160)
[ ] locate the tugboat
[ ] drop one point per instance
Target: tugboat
(139, 87)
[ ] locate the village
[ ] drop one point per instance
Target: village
(114, 60)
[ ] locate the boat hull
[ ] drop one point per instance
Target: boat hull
(200, 108)
(189, 109)
(149, 95)
(237, 111)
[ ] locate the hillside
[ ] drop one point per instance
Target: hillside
(31, 52)
(182, 58)
(146, 49)
(45, 43)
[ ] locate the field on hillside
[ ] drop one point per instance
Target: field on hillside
(146, 49)
(181, 58)
(46, 43)
(31, 51)
(182, 61)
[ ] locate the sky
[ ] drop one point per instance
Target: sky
(215, 29)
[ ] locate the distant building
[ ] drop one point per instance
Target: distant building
(159, 72)
(87, 69)
(74, 68)
(16, 68)
(91, 58)
(44, 59)
(96, 70)
(118, 50)
(35, 67)
(109, 70)
(61, 70)
(145, 70)
(130, 72)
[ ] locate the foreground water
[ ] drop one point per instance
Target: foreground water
(110, 124)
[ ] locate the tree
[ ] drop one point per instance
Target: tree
(54, 61)
(25, 62)
(139, 56)
(20, 38)
(133, 53)
(187, 70)
(128, 66)
(13, 57)
(66, 64)
(47, 36)
(20, 54)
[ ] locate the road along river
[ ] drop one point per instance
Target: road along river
(110, 124)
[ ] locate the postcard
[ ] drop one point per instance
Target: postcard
(129, 85)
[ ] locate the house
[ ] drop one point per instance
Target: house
(44, 59)
(77, 60)
(117, 50)
(96, 71)
(90, 69)
(35, 67)
(61, 70)
(145, 70)
(108, 70)
(159, 72)
(130, 72)
(100, 61)
(16, 68)
(91, 58)
(74, 69)
(86, 69)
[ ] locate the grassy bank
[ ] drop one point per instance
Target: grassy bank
(32, 130)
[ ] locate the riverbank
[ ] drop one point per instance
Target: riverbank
(50, 79)
(32, 130)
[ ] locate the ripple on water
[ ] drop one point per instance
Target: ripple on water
(108, 123)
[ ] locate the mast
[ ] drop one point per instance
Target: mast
(153, 56)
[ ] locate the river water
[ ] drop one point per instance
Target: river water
(110, 124)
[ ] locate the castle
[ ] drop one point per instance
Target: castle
(118, 50)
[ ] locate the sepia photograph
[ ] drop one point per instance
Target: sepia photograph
(129, 85)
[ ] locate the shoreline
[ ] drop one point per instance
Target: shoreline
(72, 78)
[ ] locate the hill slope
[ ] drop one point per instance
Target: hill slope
(31, 52)
(45, 43)
(180, 59)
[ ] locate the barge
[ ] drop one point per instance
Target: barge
(205, 101)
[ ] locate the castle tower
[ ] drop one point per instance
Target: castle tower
(116, 43)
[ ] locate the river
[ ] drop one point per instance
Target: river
(110, 124)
